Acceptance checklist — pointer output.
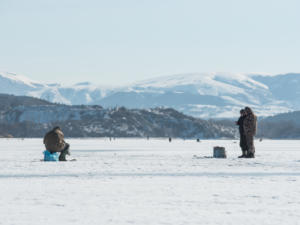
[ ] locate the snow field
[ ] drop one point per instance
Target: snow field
(139, 181)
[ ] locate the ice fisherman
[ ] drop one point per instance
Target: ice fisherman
(55, 143)
(250, 127)
(243, 143)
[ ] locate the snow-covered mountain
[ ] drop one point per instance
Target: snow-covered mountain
(205, 94)
(81, 93)
(198, 94)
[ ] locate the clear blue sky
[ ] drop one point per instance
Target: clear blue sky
(120, 41)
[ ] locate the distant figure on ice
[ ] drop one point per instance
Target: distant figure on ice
(250, 126)
(243, 143)
(55, 143)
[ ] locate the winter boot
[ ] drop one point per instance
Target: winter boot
(250, 155)
(244, 155)
(64, 153)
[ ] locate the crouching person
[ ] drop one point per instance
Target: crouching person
(55, 144)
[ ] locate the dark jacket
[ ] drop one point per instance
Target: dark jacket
(54, 140)
(240, 123)
(250, 125)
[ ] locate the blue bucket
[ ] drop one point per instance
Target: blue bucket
(48, 156)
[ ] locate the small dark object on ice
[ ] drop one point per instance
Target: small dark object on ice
(170, 139)
(219, 152)
(198, 140)
(64, 153)
(202, 157)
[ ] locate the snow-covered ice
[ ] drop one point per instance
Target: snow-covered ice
(138, 181)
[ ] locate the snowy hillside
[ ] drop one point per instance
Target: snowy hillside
(11, 83)
(81, 93)
(205, 95)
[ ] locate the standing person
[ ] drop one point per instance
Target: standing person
(243, 143)
(54, 143)
(250, 125)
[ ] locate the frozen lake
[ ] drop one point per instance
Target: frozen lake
(135, 181)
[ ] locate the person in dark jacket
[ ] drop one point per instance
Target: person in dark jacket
(54, 142)
(250, 126)
(243, 143)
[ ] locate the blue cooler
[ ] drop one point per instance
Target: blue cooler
(51, 156)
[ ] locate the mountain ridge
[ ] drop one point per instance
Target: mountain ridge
(31, 117)
(22, 116)
(207, 95)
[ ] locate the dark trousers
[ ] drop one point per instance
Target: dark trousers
(250, 143)
(243, 143)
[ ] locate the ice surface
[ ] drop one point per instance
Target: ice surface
(135, 181)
